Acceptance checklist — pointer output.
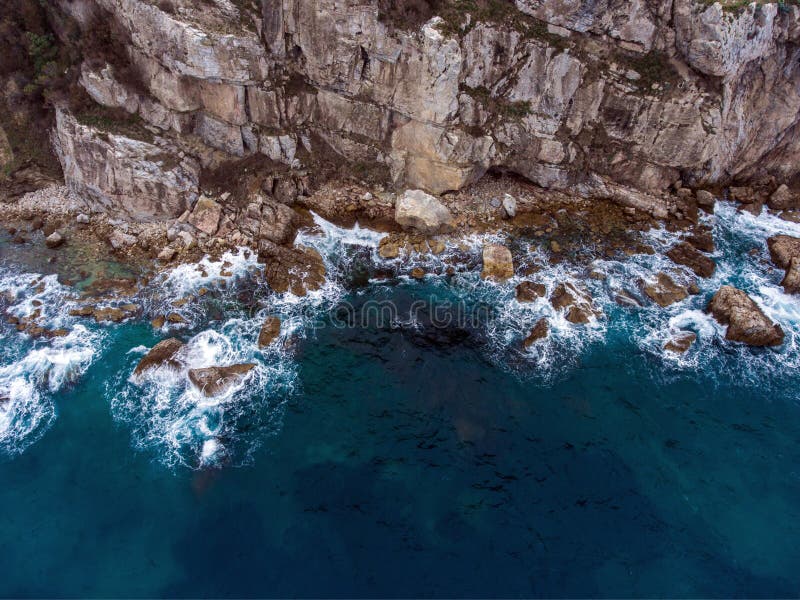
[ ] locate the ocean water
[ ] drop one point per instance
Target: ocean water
(398, 441)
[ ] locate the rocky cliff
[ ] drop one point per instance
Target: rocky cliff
(604, 99)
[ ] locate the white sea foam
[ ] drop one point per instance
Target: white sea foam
(32, 371)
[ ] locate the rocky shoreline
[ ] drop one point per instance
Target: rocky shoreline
(414, 223)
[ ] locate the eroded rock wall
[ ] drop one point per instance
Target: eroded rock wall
(610, 99)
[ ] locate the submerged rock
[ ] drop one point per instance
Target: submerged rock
(687, 255)
(422, 212)
(498, 263)
(217, 380)
(539, 332)
(664, 291)
(746, 322)
(270, 330)
(681, 342)
(163, 353)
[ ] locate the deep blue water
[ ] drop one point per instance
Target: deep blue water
(405, 459)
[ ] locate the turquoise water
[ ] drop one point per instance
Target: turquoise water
(406, 455)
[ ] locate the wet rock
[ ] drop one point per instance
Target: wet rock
(529, 291)
(687, 255)
(681, 342)
(743, 194)
(706, 200)
(423, 212)
(539, 332)
(782, 249)
(270, 330)
(782, 199)
(175, 319)
(578, 304)
(217, 380)
(664, 291)
(206, 215)
(754, 208)
(510, 206)
(163, 353)
(623, 298)
(791, 280)
(436, 247)
(418, 273)
(54, 240)
(389, 247)
(299, 270)
(115, 314)
(746, 322)
(158, 322)
(791, 216)
(498, 263)
(702, 240)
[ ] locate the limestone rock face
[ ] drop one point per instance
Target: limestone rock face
(422, 212)
(122, 175)
(608, 100)
(498, 263)
(746, 322)
(213, 381)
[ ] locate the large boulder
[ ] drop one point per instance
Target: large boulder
(498, 263)
(213, 381)
(687, 255)
(206, 215)
(299, 270)
(529, 291)
(664, 291)
(782, 199)
(163, 353)
(791, 281)
(782, 249)
(746, 322)
(423, 212)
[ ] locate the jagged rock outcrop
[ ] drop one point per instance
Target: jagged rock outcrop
(746, 322)
(213, 381)
(124, 175)
(616, 101)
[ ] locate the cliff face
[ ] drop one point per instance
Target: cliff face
(607, 99)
